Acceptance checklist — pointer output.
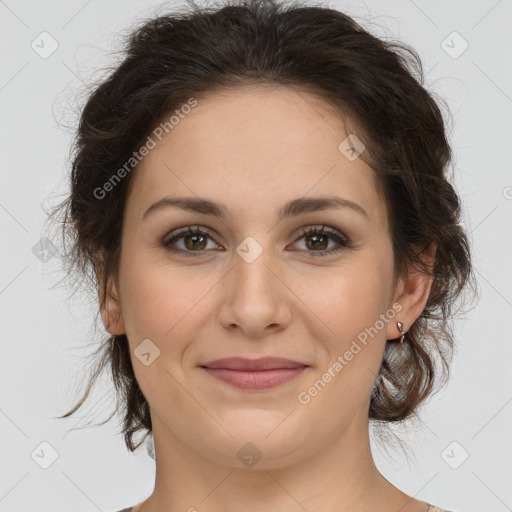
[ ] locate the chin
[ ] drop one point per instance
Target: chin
(258, 440)
(260, 425)
(256, 454)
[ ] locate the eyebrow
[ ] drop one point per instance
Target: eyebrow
(290, 209)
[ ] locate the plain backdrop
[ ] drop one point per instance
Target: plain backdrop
(459, 452)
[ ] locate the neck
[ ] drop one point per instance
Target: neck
(339, 476)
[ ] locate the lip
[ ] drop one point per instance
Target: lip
(255, 374)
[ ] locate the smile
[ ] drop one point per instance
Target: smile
(254, 374)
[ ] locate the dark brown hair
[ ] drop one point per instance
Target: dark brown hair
(376, 85)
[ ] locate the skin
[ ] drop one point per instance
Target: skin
(254, 149)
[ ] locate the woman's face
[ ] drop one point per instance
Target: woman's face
(251, 284)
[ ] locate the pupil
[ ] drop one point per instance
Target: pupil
(317, 237)
(195, 237)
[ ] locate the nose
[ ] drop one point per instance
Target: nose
(255, 300)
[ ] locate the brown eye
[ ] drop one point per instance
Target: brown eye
(317, 241)
(195, 240)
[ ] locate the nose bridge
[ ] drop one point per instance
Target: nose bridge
(251, 272)
(254, 298)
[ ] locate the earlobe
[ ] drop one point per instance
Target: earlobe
(111, 313)
(412, 293)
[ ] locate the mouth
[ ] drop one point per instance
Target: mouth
(254, 374)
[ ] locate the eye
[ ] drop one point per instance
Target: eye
(318, 239)
(193, 239)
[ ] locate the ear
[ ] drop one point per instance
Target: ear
(412, 292)
(111, 313)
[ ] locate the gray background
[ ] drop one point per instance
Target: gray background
(44, 337)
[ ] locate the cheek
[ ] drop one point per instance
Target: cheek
(347, 300)
(350, 302)
(350, 306)
(152, 305)
(164, 305)
(162, 302)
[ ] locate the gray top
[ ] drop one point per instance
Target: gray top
(431, 508)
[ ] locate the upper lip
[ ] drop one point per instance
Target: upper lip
(244, 364)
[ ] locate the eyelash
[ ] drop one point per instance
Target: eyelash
(342, 240)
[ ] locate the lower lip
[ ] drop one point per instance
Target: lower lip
(264, 379)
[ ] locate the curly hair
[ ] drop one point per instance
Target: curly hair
(376, 85)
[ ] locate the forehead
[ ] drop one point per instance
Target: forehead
(255, 146)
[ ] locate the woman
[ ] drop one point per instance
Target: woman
(259, 193)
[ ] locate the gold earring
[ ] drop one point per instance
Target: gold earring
(402, 333)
